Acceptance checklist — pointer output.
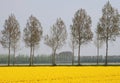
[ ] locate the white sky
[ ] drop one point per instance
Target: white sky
(47, 11)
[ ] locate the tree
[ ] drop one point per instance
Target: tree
(56, 38)
(108, 25)
(15, 38)
(10, 25)
(73, 43)
(32, 35)
(82, 24)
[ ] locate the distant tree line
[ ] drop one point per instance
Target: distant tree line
(107, 29)
(60, 60)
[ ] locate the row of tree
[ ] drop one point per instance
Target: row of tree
(107, 29)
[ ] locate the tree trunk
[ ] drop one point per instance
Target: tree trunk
(73, 56)
(98, 50)
(97, 55)
(98, 47)
(106, 60)
(30, 55)
(9, 55)
(53, 58)
(14, 57)
(33, 55)
(79, 55)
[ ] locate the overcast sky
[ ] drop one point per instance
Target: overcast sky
(47, 11)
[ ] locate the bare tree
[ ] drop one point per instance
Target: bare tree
(82, 24)
(56, 38)
(15, 38)
(32, 35)
(108, 26)
(8, 38)
(73, 43)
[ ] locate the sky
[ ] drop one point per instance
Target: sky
(47, 11)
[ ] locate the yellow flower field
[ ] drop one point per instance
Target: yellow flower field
(60, 74)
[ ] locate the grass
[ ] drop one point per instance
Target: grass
(60, 74)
